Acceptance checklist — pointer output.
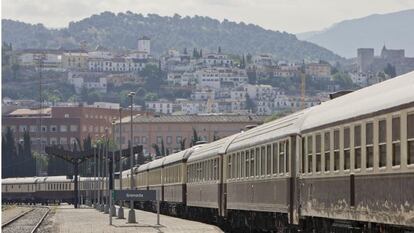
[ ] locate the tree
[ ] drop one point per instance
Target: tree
(185, 51)
(195, 53)
(156, 149)
(250, 105)
(215, 136)
(219, 49)
(182, 144)
(201, 53)
(390, 70)
(162, 148)
(195, 138)
(153, 77)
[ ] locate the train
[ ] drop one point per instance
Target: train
(346, 165)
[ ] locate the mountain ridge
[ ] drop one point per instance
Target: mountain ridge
(120, 31)
(373, 31)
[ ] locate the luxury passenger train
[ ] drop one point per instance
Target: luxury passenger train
(346, 165)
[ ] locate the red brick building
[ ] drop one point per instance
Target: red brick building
(61, 125)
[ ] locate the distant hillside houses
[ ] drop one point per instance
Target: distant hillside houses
(98, 60)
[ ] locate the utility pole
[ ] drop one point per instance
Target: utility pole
(131, 214)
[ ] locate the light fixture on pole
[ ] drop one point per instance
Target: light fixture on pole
(106, 207)
(120, 209)
(131, 214)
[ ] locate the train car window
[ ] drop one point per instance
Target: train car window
(357, 146)
(347, 149)
(282, 157)
(242, 167)
(269, 159)
(382, 143)
(262, 161)
(369, 145)
(410, 138)
(234, 165)
(275, 157)
(229, 166)
(303, 155)
(327, 151)
(396, 137)
(252, 162)
(257, 173)
(287, 149)
(336, 150)
(318, 152)
(215, 169)
(310, 154)
(238, 165)
(247, 163)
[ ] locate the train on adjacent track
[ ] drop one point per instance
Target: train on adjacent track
(346, 165)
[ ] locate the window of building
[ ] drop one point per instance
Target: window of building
(73, 128)
(169, 139)
(44, 128)
(410, 138)
(318, 152)
(327, 151)
(63, 128)
(369, 133)
(382, 143)
(336, 150)
(22, 128)
(136, 140)
(66, 115)
(347, 148)
(178, 139)
(63, 141)
(310, 152)
(159, 139)
(144, 140)
(357, 146)
(396, 136)
(33, 128)
(53, 141)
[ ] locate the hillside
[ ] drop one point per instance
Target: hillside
(395, 30)
(120, 31)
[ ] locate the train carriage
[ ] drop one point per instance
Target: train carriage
(260, 174)
(358, 158)
(205, 180)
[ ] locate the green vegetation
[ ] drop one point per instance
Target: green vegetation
(120, 31)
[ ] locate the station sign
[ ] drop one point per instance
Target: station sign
(134, 195)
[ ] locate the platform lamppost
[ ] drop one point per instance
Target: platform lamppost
(106, 210)
(94, 177)
(131, 214)
(121, 209)
(111, 173)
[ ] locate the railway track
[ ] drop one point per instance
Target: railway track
(26, 222)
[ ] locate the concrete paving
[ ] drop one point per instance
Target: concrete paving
(66, 219)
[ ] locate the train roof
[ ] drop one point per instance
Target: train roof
(143, 167)
(388, 94)
(212, 149)
(269, 132)
(155, 164)
(35, 179)
(180, 156)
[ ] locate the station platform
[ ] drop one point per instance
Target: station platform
(66, 219)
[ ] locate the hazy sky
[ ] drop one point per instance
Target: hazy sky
(284, 15)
